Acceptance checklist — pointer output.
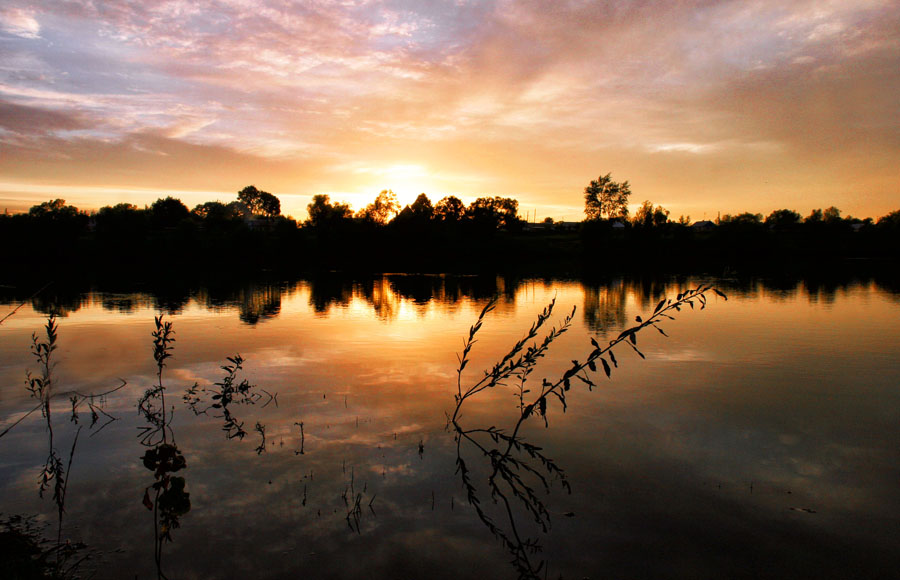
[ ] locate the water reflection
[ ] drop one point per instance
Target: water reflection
(56, 301)
(604, 305)
(257, 302)
(163, 458)
(384, 294)
(358, 474)
(25, 550)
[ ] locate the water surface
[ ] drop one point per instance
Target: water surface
(758, 440)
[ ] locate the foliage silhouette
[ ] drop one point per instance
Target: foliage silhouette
(170, 501)
(58, 561)
(648, 216)
(605, 197)
(449, 209)
(260, 203)
(224, 394)
(517, 468)
(168, 212)
(219, 238)
(382, 209)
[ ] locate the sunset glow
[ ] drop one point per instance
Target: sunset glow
(704, 107)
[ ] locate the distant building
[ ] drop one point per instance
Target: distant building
(551, 226)
(703, 226)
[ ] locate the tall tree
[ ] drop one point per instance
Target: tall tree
(322, 212)
(604, 197)
(494, 212)
(382, 209)
(783, 219)
(450, 209)
(210, 210)
(422, 208)
(261, 203)
(168, 211)
(832, 215)
(648, 216)
(56, 210)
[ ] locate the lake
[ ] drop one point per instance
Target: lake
(759, 439)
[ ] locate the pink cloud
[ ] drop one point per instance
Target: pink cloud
(20, 22)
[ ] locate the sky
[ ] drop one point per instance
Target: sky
(704, 107)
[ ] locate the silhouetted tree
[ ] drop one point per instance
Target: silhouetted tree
(450, 209)
(168, 212)
(261, 203)
(422, 208)
(217, 215)
(119, 209)
(891, 220)
(742, 219)
(783, 219)
(211, 210)
(494, 212)
(238, 210)
(605, 197)
(322, 212)
(647, 216)
(414, 234)
(382, 209)
(54, 210)
(120, 223)
(51, 231)
(831, 215)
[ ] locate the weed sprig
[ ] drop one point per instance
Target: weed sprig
(518, 467)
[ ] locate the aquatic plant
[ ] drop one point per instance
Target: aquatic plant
(219, 399)
(517, 468)
(170, 500)
(152, 404)
(55, 471)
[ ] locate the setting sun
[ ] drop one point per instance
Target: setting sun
(407, 181)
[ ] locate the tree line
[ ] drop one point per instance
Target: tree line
(251, 233)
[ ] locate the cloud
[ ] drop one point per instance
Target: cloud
(24, 120)
(20, 22)
(560, 86)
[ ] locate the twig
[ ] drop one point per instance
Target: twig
(26, 301)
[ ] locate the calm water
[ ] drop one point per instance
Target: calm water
(760, 440)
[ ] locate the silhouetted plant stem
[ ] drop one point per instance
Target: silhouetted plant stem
(77, 399)
(62, 487)
(163, 457)
(162, 344)
(302, 439)
(226, 393)
(24, 302)
(41, 387)
(510, 470)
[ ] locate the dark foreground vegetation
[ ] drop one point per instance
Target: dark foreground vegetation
(251, 235)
